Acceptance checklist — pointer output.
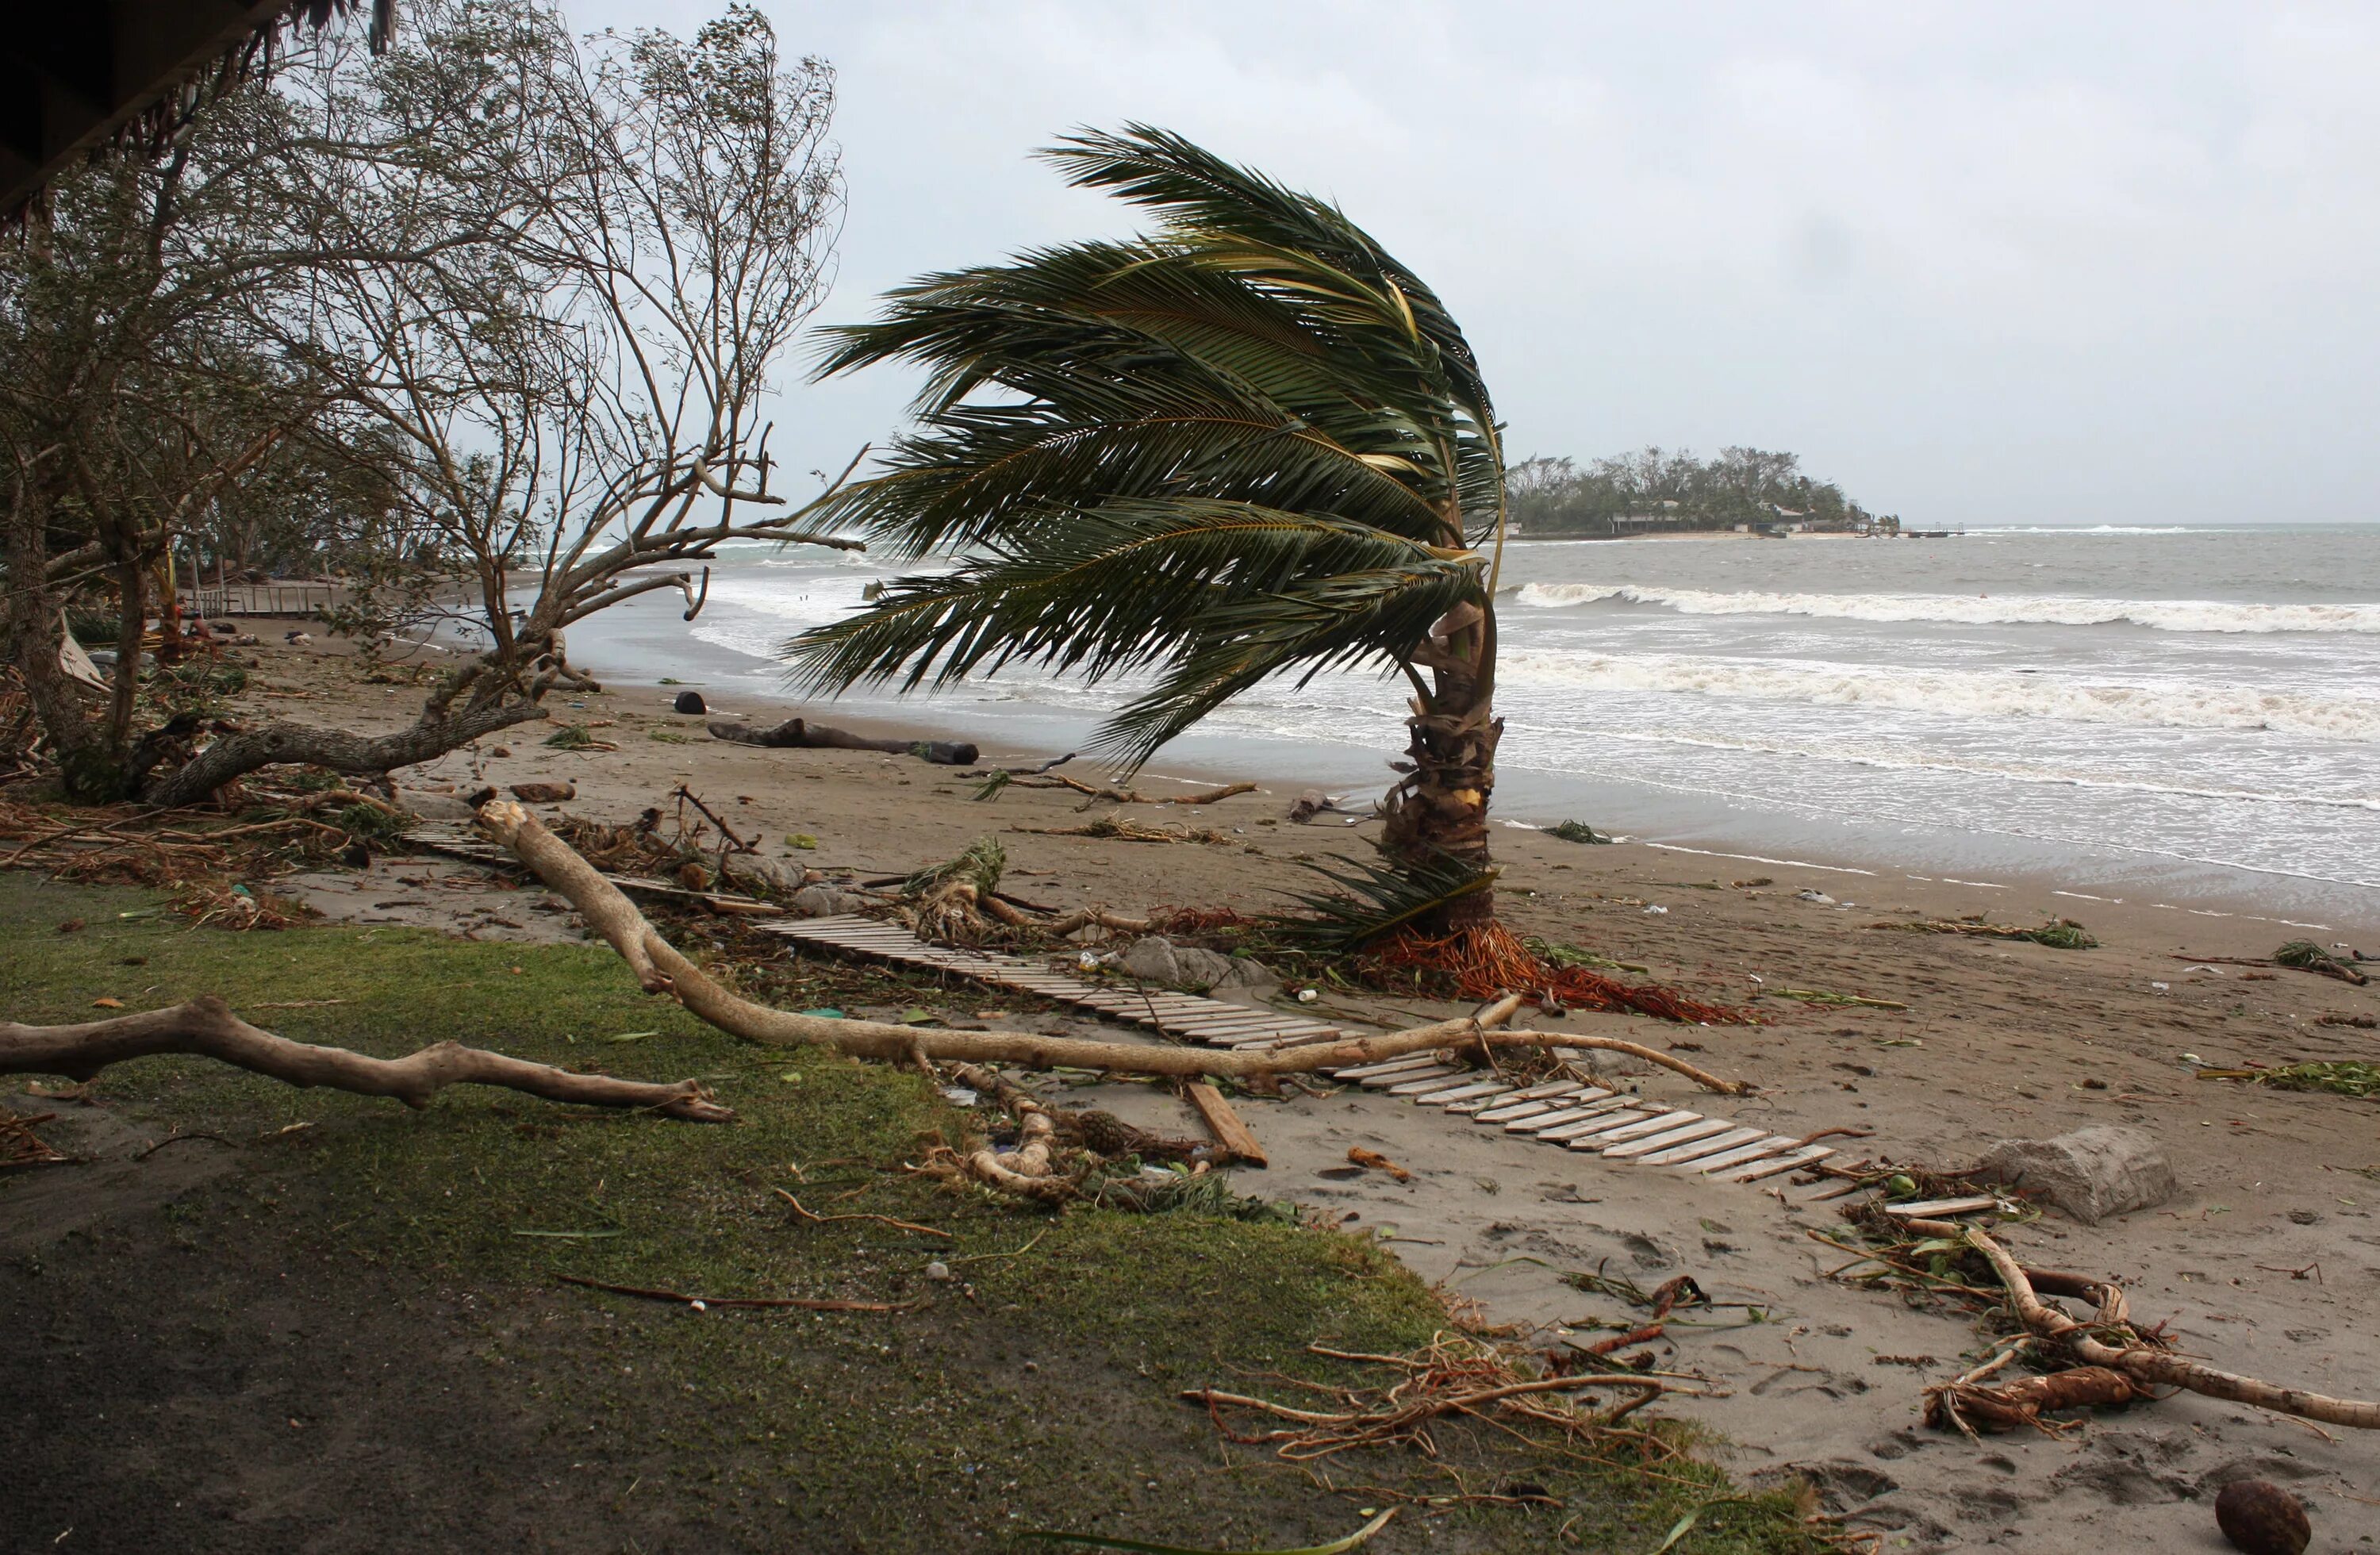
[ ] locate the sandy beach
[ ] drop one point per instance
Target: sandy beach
(2265, 1263)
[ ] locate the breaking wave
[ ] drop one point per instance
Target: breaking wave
(2059, 609)
(1968, 693)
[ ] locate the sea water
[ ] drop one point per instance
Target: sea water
(2159, 711)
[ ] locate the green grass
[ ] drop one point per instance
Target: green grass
(1041, 1385)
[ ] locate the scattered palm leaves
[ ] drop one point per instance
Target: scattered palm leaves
(979, 866)
(1576, 832)
(577, 736)
(2307, 956)
(2062, 933)
(1556, 955)
(1374, 900)
(2340, 1077)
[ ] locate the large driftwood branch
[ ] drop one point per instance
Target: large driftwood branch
(236, 756)
(800, 734)
(2158, 1365)
(660, 969)
(206, 1026)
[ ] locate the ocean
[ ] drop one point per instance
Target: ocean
(2188, 715)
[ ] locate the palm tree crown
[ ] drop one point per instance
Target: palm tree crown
(1246, 443)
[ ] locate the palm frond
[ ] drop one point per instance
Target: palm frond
(1372, 900)
(1247, 445)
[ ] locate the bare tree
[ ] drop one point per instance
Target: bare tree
(576, 399)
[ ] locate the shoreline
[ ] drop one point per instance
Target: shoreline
(1712, 825)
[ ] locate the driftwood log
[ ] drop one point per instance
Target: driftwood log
(2145, 1366)
(206, 1026)
(800, 734)
(660, 969)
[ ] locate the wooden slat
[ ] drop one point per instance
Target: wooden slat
(1651, 1125)
(1549, 1088)
(1668, 1138)
(1709, 1144)
(1570, 1110)
(1525, 1106)
(1473, 1106)
(1481, 1089)
(1598, 1116)
(1383, 1082)
(1742, 1153)
(1224, 1124)
(1389, 1066)
(1418, 1089)
(1591, 1137)
(1789, 1160)
(1935, 1208)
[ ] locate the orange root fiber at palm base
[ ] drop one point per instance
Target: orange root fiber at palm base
(1485, 960)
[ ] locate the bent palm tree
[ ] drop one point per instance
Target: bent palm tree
(1248, 444)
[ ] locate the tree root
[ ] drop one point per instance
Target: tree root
(206, 1026)
(660, 969)
(2143, 1364)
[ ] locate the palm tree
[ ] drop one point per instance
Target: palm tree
(1249, 443)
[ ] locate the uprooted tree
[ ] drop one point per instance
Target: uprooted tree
(536, 286)
(1250, 444)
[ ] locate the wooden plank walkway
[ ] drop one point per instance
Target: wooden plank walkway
(1588, 1119)
(1584, 1118)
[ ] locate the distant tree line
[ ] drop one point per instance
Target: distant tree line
(1658, 488)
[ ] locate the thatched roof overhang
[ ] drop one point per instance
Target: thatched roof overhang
(77, 75)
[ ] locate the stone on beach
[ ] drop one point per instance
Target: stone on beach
(2090, 1173)
(1155, 959)
(434, 806)
(825, 901)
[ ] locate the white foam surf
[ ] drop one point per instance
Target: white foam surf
(2057, 610)
(1987, 694)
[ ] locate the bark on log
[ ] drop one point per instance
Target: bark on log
(205, 1025)
(660, 969)
(799, 733)
(236, 756)
(2156, 1365)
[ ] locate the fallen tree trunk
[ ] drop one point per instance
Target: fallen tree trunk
(205, 1025)
(2143, 1365)
(660, 969)
(799, 733)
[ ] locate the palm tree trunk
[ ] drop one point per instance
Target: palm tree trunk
(1439, 811)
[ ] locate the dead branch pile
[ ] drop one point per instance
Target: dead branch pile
(1453, 1376)
(691, 844)
(19, 1146)
(206, 1026)
(200, 855)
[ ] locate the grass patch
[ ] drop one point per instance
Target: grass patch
(1036, 1388)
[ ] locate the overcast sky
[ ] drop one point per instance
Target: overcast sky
(1980, 265)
